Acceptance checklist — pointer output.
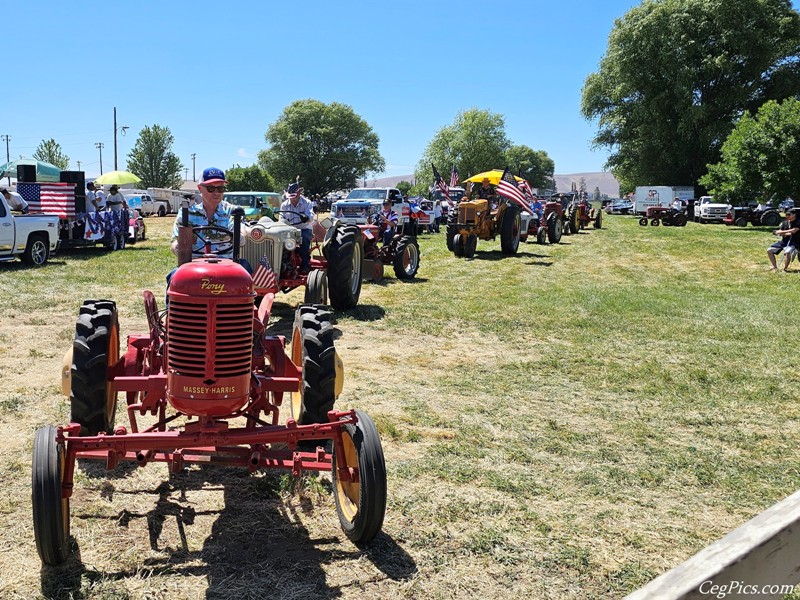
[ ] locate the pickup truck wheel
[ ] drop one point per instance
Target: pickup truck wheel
(162, 212)
(37, 252)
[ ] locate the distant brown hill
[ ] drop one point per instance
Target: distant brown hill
(607, 183)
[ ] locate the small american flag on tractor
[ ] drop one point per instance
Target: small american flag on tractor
(264, 278)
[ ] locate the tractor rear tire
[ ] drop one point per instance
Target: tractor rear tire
(451, 230)
(406, 258)
(679, 220)
(510, 230)
(95, 349)
(360, 505)
(313, 351)
(458, 245)
(541, 234)
(741, 222)
(316, 287)
(50, 510)
(555, 228)
(771, 218)
(598, 220)
(470, 246)
(37, 251)
(345, 261)
(655, 222)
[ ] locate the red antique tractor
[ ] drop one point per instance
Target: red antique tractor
(401, 252)
(207, 360)
(587, 215)
(552, 226)
(663, 214)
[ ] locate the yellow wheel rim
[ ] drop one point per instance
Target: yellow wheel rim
(348, 492)
(113, 357)
(297, 359)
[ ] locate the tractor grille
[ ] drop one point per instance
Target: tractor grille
(253, 251)
(209, 341)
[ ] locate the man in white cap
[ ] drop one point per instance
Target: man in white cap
(297, 210)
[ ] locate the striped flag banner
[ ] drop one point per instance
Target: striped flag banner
(53, 198)
(442, 185)
(264, 278)
(454, 177)
(508, 188)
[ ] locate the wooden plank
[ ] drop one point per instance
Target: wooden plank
(762, 557)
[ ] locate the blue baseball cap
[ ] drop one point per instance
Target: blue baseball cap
(213, 175)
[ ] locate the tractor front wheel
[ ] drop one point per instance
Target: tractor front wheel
(510, 230)
(741, 222)
(541, 234)
(361, 503)
(643, 221)
(575, 221)
(95, 349)
(451, 230)
(458, 245)
(406, 258)
(470, 245)
(50, 510)
(313, 351)
(345, 260)
(598, 220)
(316, 287)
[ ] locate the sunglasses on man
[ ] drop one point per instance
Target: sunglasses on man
(215, 188)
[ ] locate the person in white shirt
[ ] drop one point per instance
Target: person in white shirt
(296, 210)
(15, 201)
(116, 201)
(91, 197)
(101, 199)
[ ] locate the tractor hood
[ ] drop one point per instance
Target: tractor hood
(211, 277)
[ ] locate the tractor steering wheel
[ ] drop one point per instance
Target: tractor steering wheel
(224, 237)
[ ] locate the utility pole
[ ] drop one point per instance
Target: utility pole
(100, 145)
(122, 130)
(185, 173)
(8, 155)
(79, 164)
(193, 175)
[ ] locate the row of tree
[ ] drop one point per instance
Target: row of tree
(701, 91)
(331, 147)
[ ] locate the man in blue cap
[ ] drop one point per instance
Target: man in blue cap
(297, 210)
(211, 211)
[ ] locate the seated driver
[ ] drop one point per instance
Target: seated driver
(211, 211)
(389, 221)
(296, 210)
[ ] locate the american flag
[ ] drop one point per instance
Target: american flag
(526, 189)
(454, 177)
(264, 278)
(440, 183)
(507, 187)
(54, 198)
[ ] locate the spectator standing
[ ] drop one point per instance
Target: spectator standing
(116, 201)
(101, 199)
(91, 197)
(297, 210)
(789, 232)
(437, 215)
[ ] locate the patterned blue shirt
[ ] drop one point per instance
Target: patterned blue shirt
(222, 217)
(293, 213)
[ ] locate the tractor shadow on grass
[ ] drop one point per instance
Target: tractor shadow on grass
(258, 546)
(498, 255)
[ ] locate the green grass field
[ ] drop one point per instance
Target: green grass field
(569, 422)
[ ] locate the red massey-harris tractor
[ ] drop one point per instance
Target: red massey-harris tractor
(206, 384)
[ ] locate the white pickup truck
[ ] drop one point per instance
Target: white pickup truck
(32, 237)
(706, 210)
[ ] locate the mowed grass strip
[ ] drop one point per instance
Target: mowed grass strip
(567, 422)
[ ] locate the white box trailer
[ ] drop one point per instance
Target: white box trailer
(171, 199)
(659, 195)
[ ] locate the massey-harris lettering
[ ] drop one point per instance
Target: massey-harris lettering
(190, 389)
(215, 288)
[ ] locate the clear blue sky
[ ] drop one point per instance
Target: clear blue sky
(217, 74)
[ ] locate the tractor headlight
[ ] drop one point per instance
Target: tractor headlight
(289, 244)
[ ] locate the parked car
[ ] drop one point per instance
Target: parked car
(620, 207)
(137, 230)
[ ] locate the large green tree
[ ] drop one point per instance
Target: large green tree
(475, 142)
(678, 74)
(50, 151)
(153, 160)
(761, 156)
(328, 145)
(534, 165)
(247, 179)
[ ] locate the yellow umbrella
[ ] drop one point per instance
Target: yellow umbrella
(493, 176)
(118, 177)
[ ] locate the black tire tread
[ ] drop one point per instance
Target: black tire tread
(50, 528)
(397, 261)
(340, 254)
(509, 243)
(315, 324)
